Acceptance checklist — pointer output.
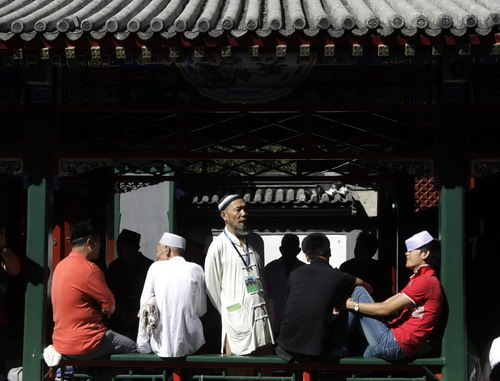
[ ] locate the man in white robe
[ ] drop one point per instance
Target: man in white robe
(234, 279)
(178, 288)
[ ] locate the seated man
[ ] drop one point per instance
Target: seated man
(421, 301)
(80, 297)
(178, 289)
(313, 293)
(9, 264)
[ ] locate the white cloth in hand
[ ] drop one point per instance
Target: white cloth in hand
(51, 356)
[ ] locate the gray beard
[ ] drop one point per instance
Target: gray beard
(240, 232)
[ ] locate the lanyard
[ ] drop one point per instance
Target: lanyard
(241, 256)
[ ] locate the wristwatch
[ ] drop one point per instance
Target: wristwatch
(4, 249)
(356, 307)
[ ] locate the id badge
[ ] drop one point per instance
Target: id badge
(251, 284)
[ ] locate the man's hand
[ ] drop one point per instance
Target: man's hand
(349, 304)
(109, 311)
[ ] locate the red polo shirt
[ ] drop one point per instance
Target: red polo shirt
(79, 293)
(417, 321)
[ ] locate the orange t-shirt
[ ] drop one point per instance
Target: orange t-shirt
(79, 293)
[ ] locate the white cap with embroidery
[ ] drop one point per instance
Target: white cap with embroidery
(228, 200)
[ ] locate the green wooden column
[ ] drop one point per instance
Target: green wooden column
(451, 221)
(37, 227)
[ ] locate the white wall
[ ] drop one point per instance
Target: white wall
(338, 244)
(144, 211)
(272, 242)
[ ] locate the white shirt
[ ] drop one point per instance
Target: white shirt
(495, 352)
(245, 322)
(179, 289)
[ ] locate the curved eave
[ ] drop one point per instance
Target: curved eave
(189, 19)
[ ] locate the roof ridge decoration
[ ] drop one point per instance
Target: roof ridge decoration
(191, 18)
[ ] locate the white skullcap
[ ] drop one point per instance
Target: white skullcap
(227, 200)
(418, 240)
(173, 240)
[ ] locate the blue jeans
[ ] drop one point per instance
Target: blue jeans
(381, 341)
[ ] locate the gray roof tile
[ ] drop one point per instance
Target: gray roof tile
(305, 195)
(191, 18)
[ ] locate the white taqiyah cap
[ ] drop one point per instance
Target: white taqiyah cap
(418, 240)
(228, 200)
(173, 240)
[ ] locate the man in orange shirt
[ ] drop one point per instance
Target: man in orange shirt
(80, 297)
(9, 264)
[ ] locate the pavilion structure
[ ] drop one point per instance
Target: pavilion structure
(228, 91)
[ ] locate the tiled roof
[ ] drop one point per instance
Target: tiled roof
(192, 18)
(298, 196)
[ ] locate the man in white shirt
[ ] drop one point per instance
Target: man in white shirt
(233, 273)
(178, 289)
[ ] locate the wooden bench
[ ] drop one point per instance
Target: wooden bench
(427, 368)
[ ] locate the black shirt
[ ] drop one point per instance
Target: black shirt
(376, 273)
(313, 291)
(126, 284)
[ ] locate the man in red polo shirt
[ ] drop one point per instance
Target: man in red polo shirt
(421, 301)
(80, 297)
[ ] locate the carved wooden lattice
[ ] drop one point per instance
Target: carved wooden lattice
(249, 144)
(426, 195)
